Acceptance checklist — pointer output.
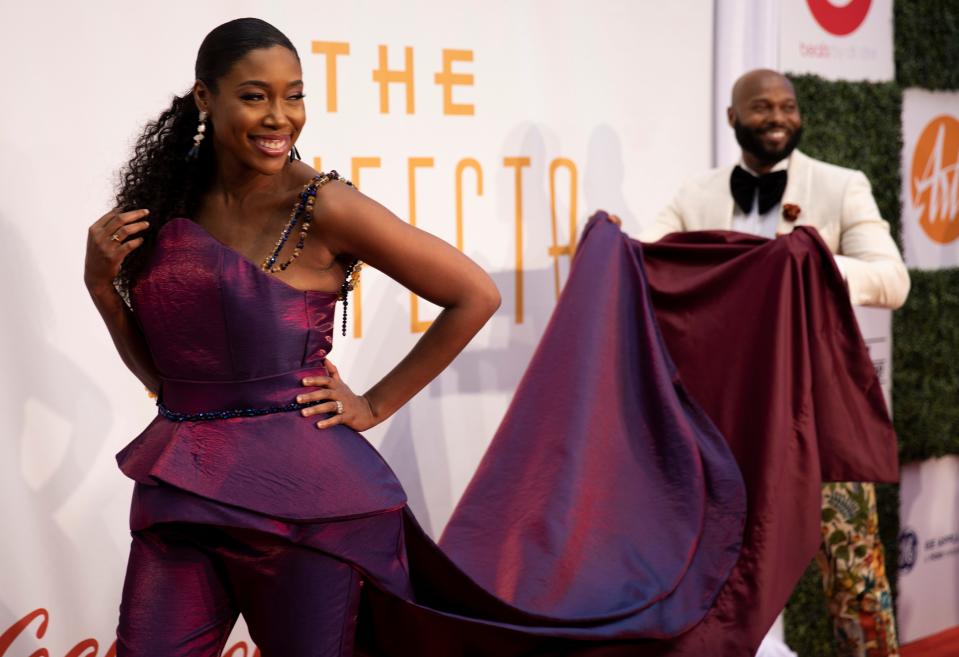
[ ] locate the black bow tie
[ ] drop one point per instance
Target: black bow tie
(743, 185)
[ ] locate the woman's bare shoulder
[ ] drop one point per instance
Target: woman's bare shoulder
(300, 173)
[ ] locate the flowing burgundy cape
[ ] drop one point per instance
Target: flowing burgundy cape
(607, 506)
(765, 341)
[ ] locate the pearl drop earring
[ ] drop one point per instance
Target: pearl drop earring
(195, 151)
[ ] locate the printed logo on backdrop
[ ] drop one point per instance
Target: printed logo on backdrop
(33, 626)
(455, 78)
(934, 180)
(838, 18)
(930, 178)
(928, 548)
(837, 39)
(912, 551)
(908, 550)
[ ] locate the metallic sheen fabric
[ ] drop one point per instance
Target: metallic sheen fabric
(225, 335)
(186, 585)
(609, 516)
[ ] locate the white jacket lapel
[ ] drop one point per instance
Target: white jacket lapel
(797, 189)
(722, 206)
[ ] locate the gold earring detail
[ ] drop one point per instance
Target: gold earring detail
(195, 151)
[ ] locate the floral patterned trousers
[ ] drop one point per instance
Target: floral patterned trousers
(853, 568)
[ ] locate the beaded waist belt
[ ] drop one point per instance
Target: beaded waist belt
(194, 401)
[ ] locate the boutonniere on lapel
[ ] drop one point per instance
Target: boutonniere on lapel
(791, 212)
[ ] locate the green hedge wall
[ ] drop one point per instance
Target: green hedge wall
(808, 628)
(858, 125)
(927, 43)
(925, 384)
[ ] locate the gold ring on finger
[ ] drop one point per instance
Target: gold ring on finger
(339, 407)
(116, 237)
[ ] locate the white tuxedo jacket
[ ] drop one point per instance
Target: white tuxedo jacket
(836, 201)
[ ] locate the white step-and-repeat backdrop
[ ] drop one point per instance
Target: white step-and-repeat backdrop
(524, 115)
(929, 538)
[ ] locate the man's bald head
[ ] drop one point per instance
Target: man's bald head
(757, 82)
(765, 115)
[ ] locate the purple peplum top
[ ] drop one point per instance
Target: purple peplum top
(224, 336)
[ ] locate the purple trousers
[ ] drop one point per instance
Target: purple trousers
(187, 583)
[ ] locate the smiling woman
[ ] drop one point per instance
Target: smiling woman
(266, 114)
(215, 185)
(247, 104)
(217, 276)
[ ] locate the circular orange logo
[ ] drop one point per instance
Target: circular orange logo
(934, 179)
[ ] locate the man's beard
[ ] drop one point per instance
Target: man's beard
(750, 142)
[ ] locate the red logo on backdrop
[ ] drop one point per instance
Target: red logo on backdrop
(40, 618)
(839, 20)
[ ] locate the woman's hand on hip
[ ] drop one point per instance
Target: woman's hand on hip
(109, 240)
(348, 408)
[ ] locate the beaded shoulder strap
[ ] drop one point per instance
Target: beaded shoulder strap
(302, 214)
(350, 281)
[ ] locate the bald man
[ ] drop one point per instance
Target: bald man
(772, 189)
(775, 187)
